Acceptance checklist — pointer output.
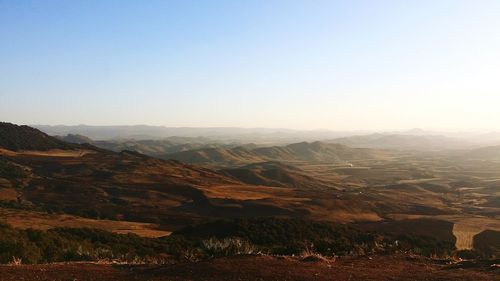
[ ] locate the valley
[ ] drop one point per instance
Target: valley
(444, 195)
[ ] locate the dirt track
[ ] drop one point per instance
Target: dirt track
(253, 268)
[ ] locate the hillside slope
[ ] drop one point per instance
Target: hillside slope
(60, 177)
(92, 182)
(304, 151)
(216, 155)
(15, 138)
(275, 174)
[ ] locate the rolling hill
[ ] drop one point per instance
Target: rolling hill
(304, 151)
(215, 155)
(75, 138)
(83, 180)
(150, 147)
(45, 173)
(275, 174)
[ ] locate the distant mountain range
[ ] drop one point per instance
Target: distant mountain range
(491, 153)
(204, 150)
(414, 139)
(156, 147)
(145, 132)
(404, 142)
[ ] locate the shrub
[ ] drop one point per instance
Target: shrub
(214, 247)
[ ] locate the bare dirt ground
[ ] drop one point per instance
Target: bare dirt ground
(255, 268)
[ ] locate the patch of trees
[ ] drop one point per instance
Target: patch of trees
(487, 243)
(486, 246)
(70, 244)
(10, 171)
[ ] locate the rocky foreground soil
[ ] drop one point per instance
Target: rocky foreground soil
(259, 268)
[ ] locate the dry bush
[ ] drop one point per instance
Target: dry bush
(309, 254)
(16, 261)
(214, 247)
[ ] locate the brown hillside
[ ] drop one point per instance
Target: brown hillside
(304, 151)
(275, 174)
(215, 155)
(15, 138)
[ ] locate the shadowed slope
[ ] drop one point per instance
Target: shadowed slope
(15, 138)
(275, 174)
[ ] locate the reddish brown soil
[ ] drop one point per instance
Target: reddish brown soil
(254, 268)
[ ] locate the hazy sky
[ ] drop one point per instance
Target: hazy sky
(296, 64)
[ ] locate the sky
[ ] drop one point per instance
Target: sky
(339, 65)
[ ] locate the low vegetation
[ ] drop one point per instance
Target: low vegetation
(10, 171)
(81, 244)
(292, 237)
(214, 239)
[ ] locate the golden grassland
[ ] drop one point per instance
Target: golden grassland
(43, 221)
(49, 153)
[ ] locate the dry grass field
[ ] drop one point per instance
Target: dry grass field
(465, 236)
(49, 153)
(43, 221)
(466, 228)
